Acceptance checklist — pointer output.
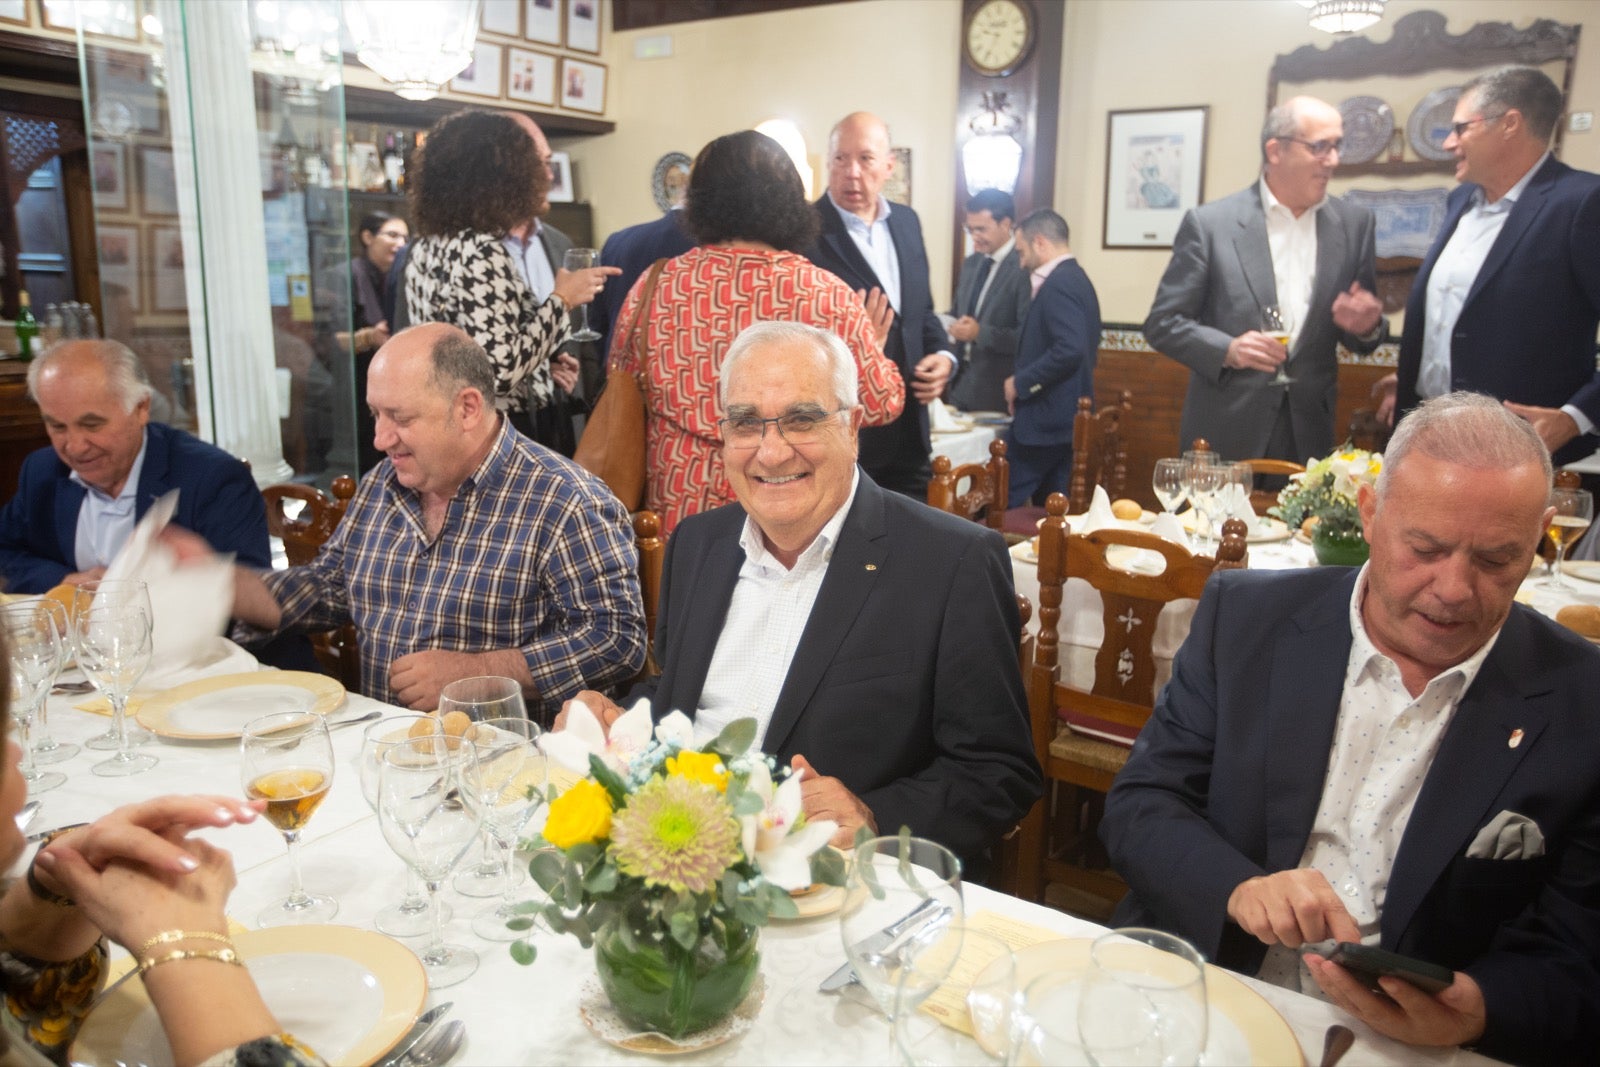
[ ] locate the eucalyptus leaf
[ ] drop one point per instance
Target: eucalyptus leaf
(685, 929)
(547, 869)
(748, 803)
(524, 952)
(735, 739)
(602, 878)
(828, 867)
(521, 922)
(782, 906)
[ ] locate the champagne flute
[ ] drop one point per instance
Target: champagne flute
(286, 758)
(1275, 324)
(35, 647)
(1143, 1000)
(506, 783)
(483, 698)
(410, 917)
(1574, 512)
(46, 749)
(424, 817)
(114, 633)
(582, 259)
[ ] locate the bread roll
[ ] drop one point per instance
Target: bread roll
(456, 723)
(1309, 525)
(1127, 509)
(424, 727)
(1581, 618)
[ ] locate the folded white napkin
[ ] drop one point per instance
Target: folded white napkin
(1098, 517)
(940, 417)
(1168, 526)
(1239, 508)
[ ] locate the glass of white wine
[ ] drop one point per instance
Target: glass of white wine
(1574, 513)
(286, 759)
(1276, 325)
(582, 259)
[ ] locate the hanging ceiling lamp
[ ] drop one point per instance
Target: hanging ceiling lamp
(1345, 16)
(416, 47)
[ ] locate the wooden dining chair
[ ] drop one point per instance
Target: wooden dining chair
(1099, 453)
(652, 556)
(987, 487)
(1262, 499)
(304, 517)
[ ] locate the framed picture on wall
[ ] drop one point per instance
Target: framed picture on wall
(119, 260)
(897, 190)
(157, 185)
(1155, 171)
(560, 178)
(108, 20)
(542, 21)
(583, 85)
(167, 291)
(482, 76)
(502, 16)
(14, 11)
(583, 25)
(531, 77)
(109, 169)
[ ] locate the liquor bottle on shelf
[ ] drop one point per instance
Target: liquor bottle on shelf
(50, 331)
(393, 165)
(27, 327)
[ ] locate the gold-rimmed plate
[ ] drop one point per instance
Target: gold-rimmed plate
(1586, 569)
(1265, 530)
(217, 709)
(349, 994)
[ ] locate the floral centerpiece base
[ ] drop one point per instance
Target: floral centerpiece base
(1338, 548)
(657, 985)
(1329, 492)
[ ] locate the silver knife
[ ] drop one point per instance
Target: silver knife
(877, 943)
(413, 1035)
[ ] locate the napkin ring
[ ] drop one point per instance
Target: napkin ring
(221, 955)
(167, 937)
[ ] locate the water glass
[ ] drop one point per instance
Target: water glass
(582, 259)
(1047, 1021)
(35, 647)
(114, 632)
(286, 759)
(410, 917)
(901, 894)
(1167, 481)
(506, 783)
(1144, 1000)
(46, 749)
(481, 699)
(980, 968)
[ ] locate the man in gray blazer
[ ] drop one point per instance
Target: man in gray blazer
(991, 304)
(1285, 242)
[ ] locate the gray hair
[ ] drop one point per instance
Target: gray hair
(1469, 429)
(124, 373)
(757, 337)
(1527, 89)
(460, 363)
(1283, 121)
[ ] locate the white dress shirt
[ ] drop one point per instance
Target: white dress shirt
(1293, 244)
(1383, 744)
(105, 522)
(876, 246)
(769, 610)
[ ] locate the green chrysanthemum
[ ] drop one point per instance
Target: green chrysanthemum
(675, 832)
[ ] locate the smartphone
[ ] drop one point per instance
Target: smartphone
(1368, 963)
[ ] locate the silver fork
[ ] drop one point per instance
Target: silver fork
(437, 1046)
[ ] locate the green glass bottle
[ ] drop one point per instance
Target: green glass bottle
(27, 328)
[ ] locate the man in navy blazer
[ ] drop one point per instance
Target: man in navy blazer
(1508, 299)
(873, 638)
(634, 249)
(1055, 360)
(873, 245)
(1401, 756)
(75, 507)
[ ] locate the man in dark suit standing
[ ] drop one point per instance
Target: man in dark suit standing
(633, 249)
(1400, 756)
(1055, 360)
(1508, 299)
(992, 297)
(877, 249)
(873, 639)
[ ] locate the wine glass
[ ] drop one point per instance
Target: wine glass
(424, 816)
(35, 646)
(1574, 512)
(1047, 1020)
(975, 966)
(483, 698)
(1233, 499)
(1275, 323)
(1144, 1000)
(47, 749)
(1205, 480)
(901, 894)
(1167, 481)
(582, 259)
(410, 917)
(506, 784)
(114, 632)
(286, 758)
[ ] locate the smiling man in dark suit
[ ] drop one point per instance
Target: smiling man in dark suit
(1400, 756)
(873, 639)
(876, 246)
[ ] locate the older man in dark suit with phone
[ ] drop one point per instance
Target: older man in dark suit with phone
(1399, 756)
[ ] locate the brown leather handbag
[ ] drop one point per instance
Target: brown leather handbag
(612, 445)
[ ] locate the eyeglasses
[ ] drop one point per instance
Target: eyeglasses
(795, 427)
(1460, 128)
(1320, 149)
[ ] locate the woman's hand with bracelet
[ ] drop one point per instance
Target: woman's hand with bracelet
(575, 287)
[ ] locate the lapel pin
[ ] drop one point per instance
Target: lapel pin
(872, 566)
(1515, 739)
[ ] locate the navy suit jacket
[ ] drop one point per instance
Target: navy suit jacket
(1055, 357)
(634, 249)
(905, 683)
(218, 500)
(903, 444)
(1527, 330)
(1224, 783)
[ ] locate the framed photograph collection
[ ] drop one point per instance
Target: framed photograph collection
(583, 85)
(531, 77)
(14, 11)
(583, 26)
(166, 269)
(1155, 171)
(108, 168)
(482, 76)
(158, 186)
(118, 248)
(503, 17)
(542, 21)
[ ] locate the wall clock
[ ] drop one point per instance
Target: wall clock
(998, 37)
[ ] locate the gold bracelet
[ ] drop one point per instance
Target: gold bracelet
(221, 955)
(167, 937)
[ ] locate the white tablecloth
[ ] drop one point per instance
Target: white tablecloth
(518, 1015)
(965, 446)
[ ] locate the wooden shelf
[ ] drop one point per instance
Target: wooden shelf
(1394, 170)
(386, 109)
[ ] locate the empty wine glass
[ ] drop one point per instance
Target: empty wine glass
(35, 647)
(1275, 323)
(46, 749)
(410, 917)
(1144, 1000)
(1205, 480)
(977, 966)
(1574, 512)
(1167, 481)
(425, 818)
(582, 259)
(114, 631)
(286, 759)
(1047, 1020)
(506, 784)
(901, 893)
(1233, 497)
(483, 698)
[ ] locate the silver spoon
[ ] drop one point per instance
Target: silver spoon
(438, 1045)
(368, 717)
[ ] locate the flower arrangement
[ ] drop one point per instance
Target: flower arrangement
(1328, 489)
(667, 859)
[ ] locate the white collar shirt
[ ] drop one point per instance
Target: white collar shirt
(876, 246)
(1383, 745)
(1293, 244)
(768, 612)
(997, 257)
(105, 522)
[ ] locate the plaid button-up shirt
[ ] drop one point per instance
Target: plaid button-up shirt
(535, 554)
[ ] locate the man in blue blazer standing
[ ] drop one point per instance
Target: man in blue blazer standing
(634, 249)
(78, 501)
(1055, 360)
(1400, 756)
(1508, 299)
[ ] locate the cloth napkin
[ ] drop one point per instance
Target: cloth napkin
(941, 418)
(1239, 508)
(1098, 517)
(1168, 526)
(221, 656)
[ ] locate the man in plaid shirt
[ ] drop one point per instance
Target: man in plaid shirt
(469, 551)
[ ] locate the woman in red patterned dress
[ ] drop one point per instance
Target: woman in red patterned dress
(748, 211)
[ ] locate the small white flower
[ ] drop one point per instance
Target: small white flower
(769, 837)
(583, 737)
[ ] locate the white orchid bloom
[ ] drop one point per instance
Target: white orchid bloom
(782, 854)
(675, 729)
(584, 736)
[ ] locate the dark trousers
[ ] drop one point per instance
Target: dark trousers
(1037, 471)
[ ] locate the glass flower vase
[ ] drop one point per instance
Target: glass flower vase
(656, 985)
(1338, 548)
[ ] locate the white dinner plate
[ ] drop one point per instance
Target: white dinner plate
(1266, 530)
(959, 424)
(349, 994)
(1586, 569)
(217, 709)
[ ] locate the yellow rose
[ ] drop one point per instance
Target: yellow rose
(703, 767)
(580, 815)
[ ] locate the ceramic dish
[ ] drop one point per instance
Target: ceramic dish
(1586, 569)
(1368, 125)
(1267, 529)
(1430, 123)
(217, 709)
